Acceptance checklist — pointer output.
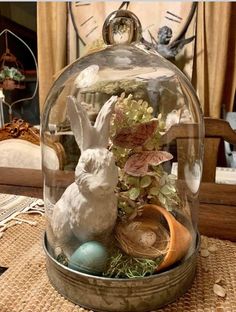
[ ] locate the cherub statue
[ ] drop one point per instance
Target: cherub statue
(163, 46)
(88, 207)
(167, 49)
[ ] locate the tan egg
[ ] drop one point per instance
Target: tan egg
(146, 238)
(142, 236)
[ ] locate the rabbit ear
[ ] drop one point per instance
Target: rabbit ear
(85, 134)
(102, 123)
(80, 123)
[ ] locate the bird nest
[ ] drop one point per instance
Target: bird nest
(143, 238)
(154, 232)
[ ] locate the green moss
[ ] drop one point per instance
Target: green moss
(124, 266)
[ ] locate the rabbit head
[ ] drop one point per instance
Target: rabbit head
(96, 172)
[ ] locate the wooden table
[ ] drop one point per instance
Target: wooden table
(217, 210)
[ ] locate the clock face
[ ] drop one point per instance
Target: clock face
(88, 17)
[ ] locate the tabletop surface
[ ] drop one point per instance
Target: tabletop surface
(24, 286)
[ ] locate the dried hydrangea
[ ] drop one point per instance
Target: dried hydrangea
(135, 135)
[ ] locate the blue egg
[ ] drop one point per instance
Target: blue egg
(90, 258)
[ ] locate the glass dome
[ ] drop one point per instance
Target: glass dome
(123, 200)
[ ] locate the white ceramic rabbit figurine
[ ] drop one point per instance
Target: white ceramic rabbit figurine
(88, 207)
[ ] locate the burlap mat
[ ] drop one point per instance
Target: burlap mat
(25, 286)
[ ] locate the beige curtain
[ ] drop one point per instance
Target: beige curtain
(215, 58)
(51, 34)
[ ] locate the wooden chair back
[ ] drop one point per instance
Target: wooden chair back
(217, 211)
(216, 130)
(217, 214)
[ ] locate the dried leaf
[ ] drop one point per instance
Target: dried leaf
(219, 290)
(119, 115)
(136, 135)
(137, 164)
(212, 248)
(205, 253)
(218, 280)
(204, 243)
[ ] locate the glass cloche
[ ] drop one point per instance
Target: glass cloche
(123, 201)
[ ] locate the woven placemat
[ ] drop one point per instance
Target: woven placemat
(25, 286)
(10, 204)
(17, 239)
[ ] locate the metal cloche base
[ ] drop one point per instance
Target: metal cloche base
(123, 295)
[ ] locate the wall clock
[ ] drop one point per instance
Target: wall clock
(88, 17)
